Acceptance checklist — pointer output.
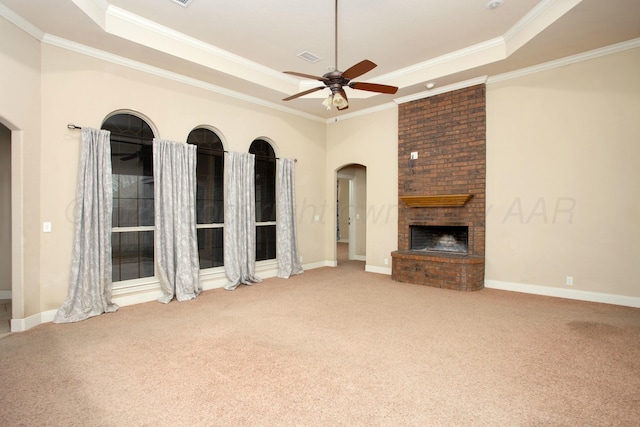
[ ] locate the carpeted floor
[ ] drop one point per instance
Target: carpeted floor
(333, 346)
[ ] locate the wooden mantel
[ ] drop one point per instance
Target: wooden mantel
(436, 201)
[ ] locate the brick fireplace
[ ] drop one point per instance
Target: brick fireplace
(441, 206)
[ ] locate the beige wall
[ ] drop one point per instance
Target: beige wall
(20, 112)
(371, 141)
(562, 159)
(563, 174)
(5, 208)
(84, 90)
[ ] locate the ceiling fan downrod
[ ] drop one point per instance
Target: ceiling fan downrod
(337, 80)
(336, 37)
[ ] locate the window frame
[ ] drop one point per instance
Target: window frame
(146, 282)
(270, 156)
(213, 225)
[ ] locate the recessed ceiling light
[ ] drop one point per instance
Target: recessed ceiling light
(494, 4)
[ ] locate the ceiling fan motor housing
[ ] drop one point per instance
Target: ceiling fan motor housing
(335, 81)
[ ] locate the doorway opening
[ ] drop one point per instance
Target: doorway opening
(351, 221)
(5, 231)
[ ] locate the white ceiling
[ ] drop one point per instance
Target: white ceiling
(241, 47)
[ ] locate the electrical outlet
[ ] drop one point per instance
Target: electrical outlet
(569, 280)
(386, 261)
(46, 227)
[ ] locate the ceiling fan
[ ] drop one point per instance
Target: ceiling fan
(336, 80)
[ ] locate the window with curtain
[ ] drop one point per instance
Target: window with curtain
(132, 237)
(265, 179)
(209, 196)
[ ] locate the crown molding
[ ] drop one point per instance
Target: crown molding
(129, 26)
(20, 22)
(596, 53)
(443, 89)
(116, 13)
(423, 68)
(359, 113)
(585, 56)
(139, 66)
(540, 17)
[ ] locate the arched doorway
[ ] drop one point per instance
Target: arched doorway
(351, 210)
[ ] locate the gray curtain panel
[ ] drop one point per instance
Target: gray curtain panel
(239, 220)
(176, 240)
(90, 285)
(286, 235)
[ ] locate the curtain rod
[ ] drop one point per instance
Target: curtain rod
(72, 126)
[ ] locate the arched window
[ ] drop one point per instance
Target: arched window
(265, 178)
(133, 215)
(210, 196)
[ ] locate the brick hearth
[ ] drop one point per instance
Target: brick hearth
(448, 132)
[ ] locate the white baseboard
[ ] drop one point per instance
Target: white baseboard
(138, 298)
(564, 293)
(318, 264)
(21, 325)
(379, 270)
(217, 279)
(5, 294)
(212, 279)
(359, 257)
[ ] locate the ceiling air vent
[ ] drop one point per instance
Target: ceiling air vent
(309, 57)
(183, 3)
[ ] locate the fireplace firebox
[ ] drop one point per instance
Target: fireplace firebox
(439, 238)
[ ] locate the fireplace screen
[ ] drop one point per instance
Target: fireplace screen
(454, 239)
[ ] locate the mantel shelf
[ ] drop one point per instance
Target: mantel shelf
(437, 201)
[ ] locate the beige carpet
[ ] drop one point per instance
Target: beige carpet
(333, 346)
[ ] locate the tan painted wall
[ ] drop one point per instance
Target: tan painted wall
(84, 90)
(20, 112)
(562, 159)
(371, 141)
(563, 177)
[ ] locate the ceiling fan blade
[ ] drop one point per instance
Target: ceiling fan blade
(373, 87)
(306, 92)
(359, 69)
(306, 76)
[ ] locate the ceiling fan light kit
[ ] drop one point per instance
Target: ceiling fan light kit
(336, 80)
